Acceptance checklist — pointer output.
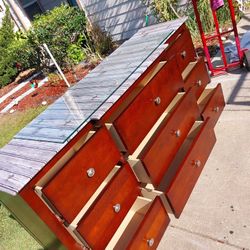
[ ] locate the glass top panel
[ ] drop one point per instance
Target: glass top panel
(77, 106)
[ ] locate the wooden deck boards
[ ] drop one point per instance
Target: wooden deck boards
(35, 145)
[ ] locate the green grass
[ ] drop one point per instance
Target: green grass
(10, 124)
(12, 235)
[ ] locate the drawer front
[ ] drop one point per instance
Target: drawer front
(106, 214)
(163, 148)
(183, 49)
(215, 105)
(136, 121)
(152, 228)
(198, 78)
(190, 169)
(74, 184)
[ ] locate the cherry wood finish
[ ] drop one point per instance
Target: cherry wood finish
(151, 228)
(101, 221)
(214, 106)
(198, 78)
(136, 121)
(71, 188)
(34, 201)
(174, 129)
(190, 169)
(183, 49)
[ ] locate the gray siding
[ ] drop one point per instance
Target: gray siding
(121, 18)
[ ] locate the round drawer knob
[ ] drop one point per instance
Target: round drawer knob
(183, 54)
(177, 133)
(91, 172)
(157, 100)
(197, 163)
(117, 208)
(151, 242)
(199, 83)
(216, 109)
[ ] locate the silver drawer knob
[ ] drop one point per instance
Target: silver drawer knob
(177, 133)
(197, 163)
(117, 208)
(151, 242)
(216, 109)
(183, 53)
(91, 172)
(157, 100)
(199, 83)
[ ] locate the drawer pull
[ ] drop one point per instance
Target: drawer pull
(117, 208)
(177, 133)
(199, 83)
(157, 100)
(183, 54)
(216, 109)
(151, 242)
(91, 172)
(197, 163)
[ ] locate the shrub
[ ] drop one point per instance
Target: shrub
(16, 54)
(167, 10)
(100, 41)
(59, 29)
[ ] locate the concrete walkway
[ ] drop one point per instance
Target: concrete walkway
(217, 216)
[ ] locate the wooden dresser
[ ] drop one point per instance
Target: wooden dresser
(136, 157)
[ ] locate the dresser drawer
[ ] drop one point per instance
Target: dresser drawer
(136, 121)
(191, 166)
(161, 150)
(152, 228)
(183, 49)
(80, 177)
(212, 103)
(103, 218)
(198, 78)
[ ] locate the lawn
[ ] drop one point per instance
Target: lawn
(12, 235)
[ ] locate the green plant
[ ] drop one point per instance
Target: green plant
(59, 28)
(168, 10)
(75, 52)
(7, 34)
(7, 69)
(16, 54)
(100, 41)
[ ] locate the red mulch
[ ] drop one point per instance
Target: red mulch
(49, 92)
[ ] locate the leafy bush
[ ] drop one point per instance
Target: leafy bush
(168, 10)
(16, 54)
(7, 69)
(101, 42)
(59, 28)
(63, 29)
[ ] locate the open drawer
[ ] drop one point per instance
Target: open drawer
(69, 189)
(138, 118)
(143, 227)
(160, 146)
(182, 48)
(196, 75)
(186, 168)
(212, 103)
(98, 225)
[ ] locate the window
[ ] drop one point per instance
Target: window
(31, 7)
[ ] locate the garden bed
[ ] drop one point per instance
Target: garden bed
(49, 92)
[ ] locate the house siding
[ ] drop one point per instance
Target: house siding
(120, 18)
